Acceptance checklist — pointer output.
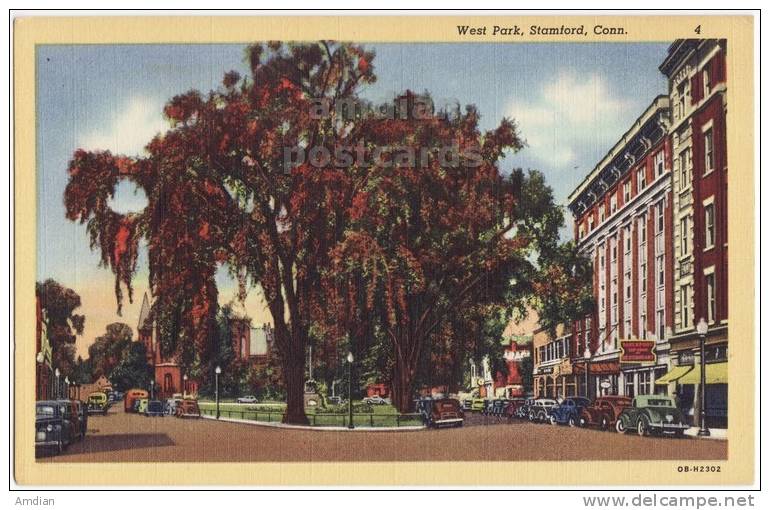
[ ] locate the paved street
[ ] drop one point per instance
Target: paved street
(129, 437)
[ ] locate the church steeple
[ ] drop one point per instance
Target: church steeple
(144, 314)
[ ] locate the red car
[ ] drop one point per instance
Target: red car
(511, 410)
(188, 408)
(603, 412)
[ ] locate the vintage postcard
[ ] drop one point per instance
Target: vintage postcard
(385, 250)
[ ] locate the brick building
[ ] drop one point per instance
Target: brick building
(624, 224)
(697, 87)
(552, 371)
(43, 356)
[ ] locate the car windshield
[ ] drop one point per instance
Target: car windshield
(660, 402)
(45, 411)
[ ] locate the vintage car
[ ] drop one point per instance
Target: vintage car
(445, 412)
(52, 428)
(141, 407)
(98, 403)
(376, 400)
(131, 397)
(568, 411)
(495, 407)
(478, 404)
(154, 408)
(248, 399)
(77, 413)
(603, 412)
(170, 406)
(514, 404)
(522, 411)
(540, 410)
(652, 414)
(187, 408)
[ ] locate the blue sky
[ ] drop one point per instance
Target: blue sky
(572, 102)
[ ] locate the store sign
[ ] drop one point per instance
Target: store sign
(637, 351)
(686, 358)
(545, 370)
(605, 384)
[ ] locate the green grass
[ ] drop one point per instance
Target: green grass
(380, 416)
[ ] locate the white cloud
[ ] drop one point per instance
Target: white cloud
(129, 129)
(570, 114)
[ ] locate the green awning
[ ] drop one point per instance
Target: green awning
(673, 375)
(716, 373)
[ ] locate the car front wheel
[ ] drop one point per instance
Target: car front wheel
(553, 420)
(605, 423)
(583, 422)
(620, 427)
(641, 427)
(572, 422)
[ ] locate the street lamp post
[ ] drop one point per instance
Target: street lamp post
(184, 385)
(57, 374)
(152, 389)
(350, 390)
(587, 356)
(703, 329)
(217, 371)
(67, 385)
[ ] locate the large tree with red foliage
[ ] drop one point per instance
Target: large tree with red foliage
(219, 192)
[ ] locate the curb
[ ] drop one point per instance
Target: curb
(276, 425)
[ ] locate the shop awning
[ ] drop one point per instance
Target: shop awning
(716, 373)
(673, 375)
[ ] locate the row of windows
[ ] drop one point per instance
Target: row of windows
(686, 313)
(641, 184)
(554, 350)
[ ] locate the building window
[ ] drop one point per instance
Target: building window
(614, 249)
(661, 270)
(627, 239)
(641, 179)
(681, 92)
(684, 306)
(590, 224)
(613, 204)
(661, 326)
(684, 247)
(659, 215)
(642, 229)
(601, 213)
(706, 82)
(645, 388)
(709, 230)
(684, 169)
(708, 149)
(711, 297)
(626, 192)
(659, 163)
(581, 232)
(630, 384)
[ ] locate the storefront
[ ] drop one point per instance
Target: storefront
(685, 380)
(602, 376)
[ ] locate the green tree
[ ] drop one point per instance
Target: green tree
(59, 304)
(110, 348)
(132, 371)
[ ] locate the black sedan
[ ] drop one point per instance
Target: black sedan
(52, 429)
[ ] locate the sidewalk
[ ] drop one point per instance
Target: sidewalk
(309, 427)
(720, 434)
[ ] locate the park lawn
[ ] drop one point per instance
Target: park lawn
(381, 415)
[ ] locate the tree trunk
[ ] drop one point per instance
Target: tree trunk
(294, 379)
(403, 377)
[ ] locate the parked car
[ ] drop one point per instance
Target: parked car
(478, 404)
(79, 418)
(523, 411)
(376, 400)
(52, 428)
(652, 414)
(142, 406)
(540, 410)
(154, 408)
(495, 407)
(514, 404)
(248, 399)
(444, 412)
(603, 412)
(98, 403)
(169, 407)
(118, 395)
(187, 408)
(568, 411)
(131, 397)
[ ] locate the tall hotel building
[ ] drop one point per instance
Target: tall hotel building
(697, 87)
(623, 223)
